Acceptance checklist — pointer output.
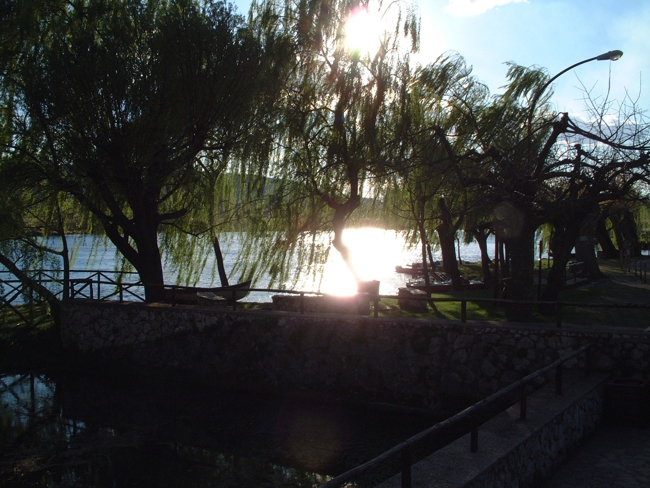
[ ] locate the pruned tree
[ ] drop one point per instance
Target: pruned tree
(517, 163)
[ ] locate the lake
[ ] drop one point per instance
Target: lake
(73, 428)
(375, 253)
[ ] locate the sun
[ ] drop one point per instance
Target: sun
(363, 30)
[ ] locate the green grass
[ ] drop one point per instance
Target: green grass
(618, 287)
(22, 342)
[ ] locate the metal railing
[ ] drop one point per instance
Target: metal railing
(640, 270)
(474, 416)
(110, 285)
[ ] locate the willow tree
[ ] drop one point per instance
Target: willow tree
(433, 129)
(118, 99)
(334, 134)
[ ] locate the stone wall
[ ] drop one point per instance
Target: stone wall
(415, 362)
(540, 454)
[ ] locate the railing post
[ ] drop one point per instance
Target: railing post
(463, 311)
(473, 447)
(122, 292)
(558, 380)
(523, 402)
(406, 467)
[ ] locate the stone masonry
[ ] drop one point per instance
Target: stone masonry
(415, 362)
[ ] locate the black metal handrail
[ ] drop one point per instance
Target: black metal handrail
(101, 286)
(470, 415)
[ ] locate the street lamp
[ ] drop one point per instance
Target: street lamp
(608, 56)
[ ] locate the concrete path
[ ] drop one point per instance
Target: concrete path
(615, 457)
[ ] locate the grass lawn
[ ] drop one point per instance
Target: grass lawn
(23, 343)
(618, 288)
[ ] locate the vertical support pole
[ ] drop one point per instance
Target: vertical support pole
(473, 447)
(463, 311)
(122, 292)
(406, 467)
(496, 262)
(539, 271)
(31, 306)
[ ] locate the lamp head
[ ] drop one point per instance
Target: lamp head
(610, 56)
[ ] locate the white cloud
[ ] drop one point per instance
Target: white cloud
(466, 8)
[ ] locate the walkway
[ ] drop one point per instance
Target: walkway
(615, 457)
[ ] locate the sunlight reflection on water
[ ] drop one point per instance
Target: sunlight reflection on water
(375, 253)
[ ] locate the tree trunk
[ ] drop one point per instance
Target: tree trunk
(424, 247)
(603, 237)
(481, 238)
(65, 255)
(521, 250)
(585, 251)
(447, 237)
(218, 255)
(47, 295)
(562, 241)
(626, 232)
(145, 256)
(341, 214)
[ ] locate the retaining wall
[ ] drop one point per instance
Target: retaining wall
(422, 363)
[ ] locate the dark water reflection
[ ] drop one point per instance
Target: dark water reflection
(71, 429)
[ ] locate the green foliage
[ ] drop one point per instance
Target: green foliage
(119, 101)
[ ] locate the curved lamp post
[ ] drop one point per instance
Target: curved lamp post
(608, 56)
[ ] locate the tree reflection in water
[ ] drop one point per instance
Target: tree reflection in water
(72, 430)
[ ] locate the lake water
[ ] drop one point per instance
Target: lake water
(72, 429)
(374, 252)
(75, 428)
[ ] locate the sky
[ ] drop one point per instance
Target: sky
(552, 34)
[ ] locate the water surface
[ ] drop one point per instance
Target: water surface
(70, 429)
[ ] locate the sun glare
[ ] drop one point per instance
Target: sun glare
(373, 251)
(362, 31)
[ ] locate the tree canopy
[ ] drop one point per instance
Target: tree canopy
(167, 120)
(115, 102)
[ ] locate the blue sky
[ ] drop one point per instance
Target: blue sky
(552, 34)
